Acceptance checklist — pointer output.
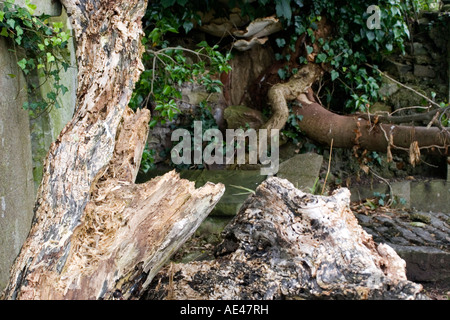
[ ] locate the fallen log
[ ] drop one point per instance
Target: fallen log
(323, 126)
(286, 244)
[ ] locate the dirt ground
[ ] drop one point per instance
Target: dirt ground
(437, 290)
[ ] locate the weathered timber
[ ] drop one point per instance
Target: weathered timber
(126, 231)
(95, 234)
(286, 244)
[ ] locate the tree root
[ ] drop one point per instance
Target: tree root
(324, 126)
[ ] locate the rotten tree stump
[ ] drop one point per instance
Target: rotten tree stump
(124, 236)
(286, 244)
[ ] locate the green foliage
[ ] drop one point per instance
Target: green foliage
(169, 67)
(148, 160)
(351, 46)
(348, 53)
(45, 48)
(292, 129)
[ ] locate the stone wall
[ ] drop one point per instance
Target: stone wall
(425, 67)
(16, 179)
(24, 143)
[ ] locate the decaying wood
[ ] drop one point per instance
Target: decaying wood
(324, 126)
(95, 234)
(286, 244)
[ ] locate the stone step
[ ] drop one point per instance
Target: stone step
(432, 195)
(422, 239)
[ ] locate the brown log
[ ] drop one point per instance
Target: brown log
(95, 234)
(286, 244)
(324, 126)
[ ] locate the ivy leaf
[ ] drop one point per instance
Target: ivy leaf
(30, 7)
(188, 26)
(299, 3)
(2, 14)
(50, 57)
(282, 74)
(11, 23)
(153, 123)
(65, 65)
(57, 26)
(283, 9)
(4, 32)
(22, 64)
(51, 95)
(370, 35)
(321, 57)
(19, 30)
(280, 42)
(64, 89)
(167, 3)
(334, 75)
(433, 95)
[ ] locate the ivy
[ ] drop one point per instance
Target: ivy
(169, 67)
(44, 47)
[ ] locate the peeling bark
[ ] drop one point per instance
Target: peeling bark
(95, 234)
(281, 93)
(286, 244)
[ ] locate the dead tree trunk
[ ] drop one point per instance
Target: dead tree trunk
(286, 244)
(95, 234)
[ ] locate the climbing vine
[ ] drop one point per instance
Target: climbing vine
(347, 52)
(351, 54)
(168, 67)
(40, 48)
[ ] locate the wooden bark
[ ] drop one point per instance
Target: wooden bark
(280, 94)
(286, 244)
(95, 234)
(324, 126)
